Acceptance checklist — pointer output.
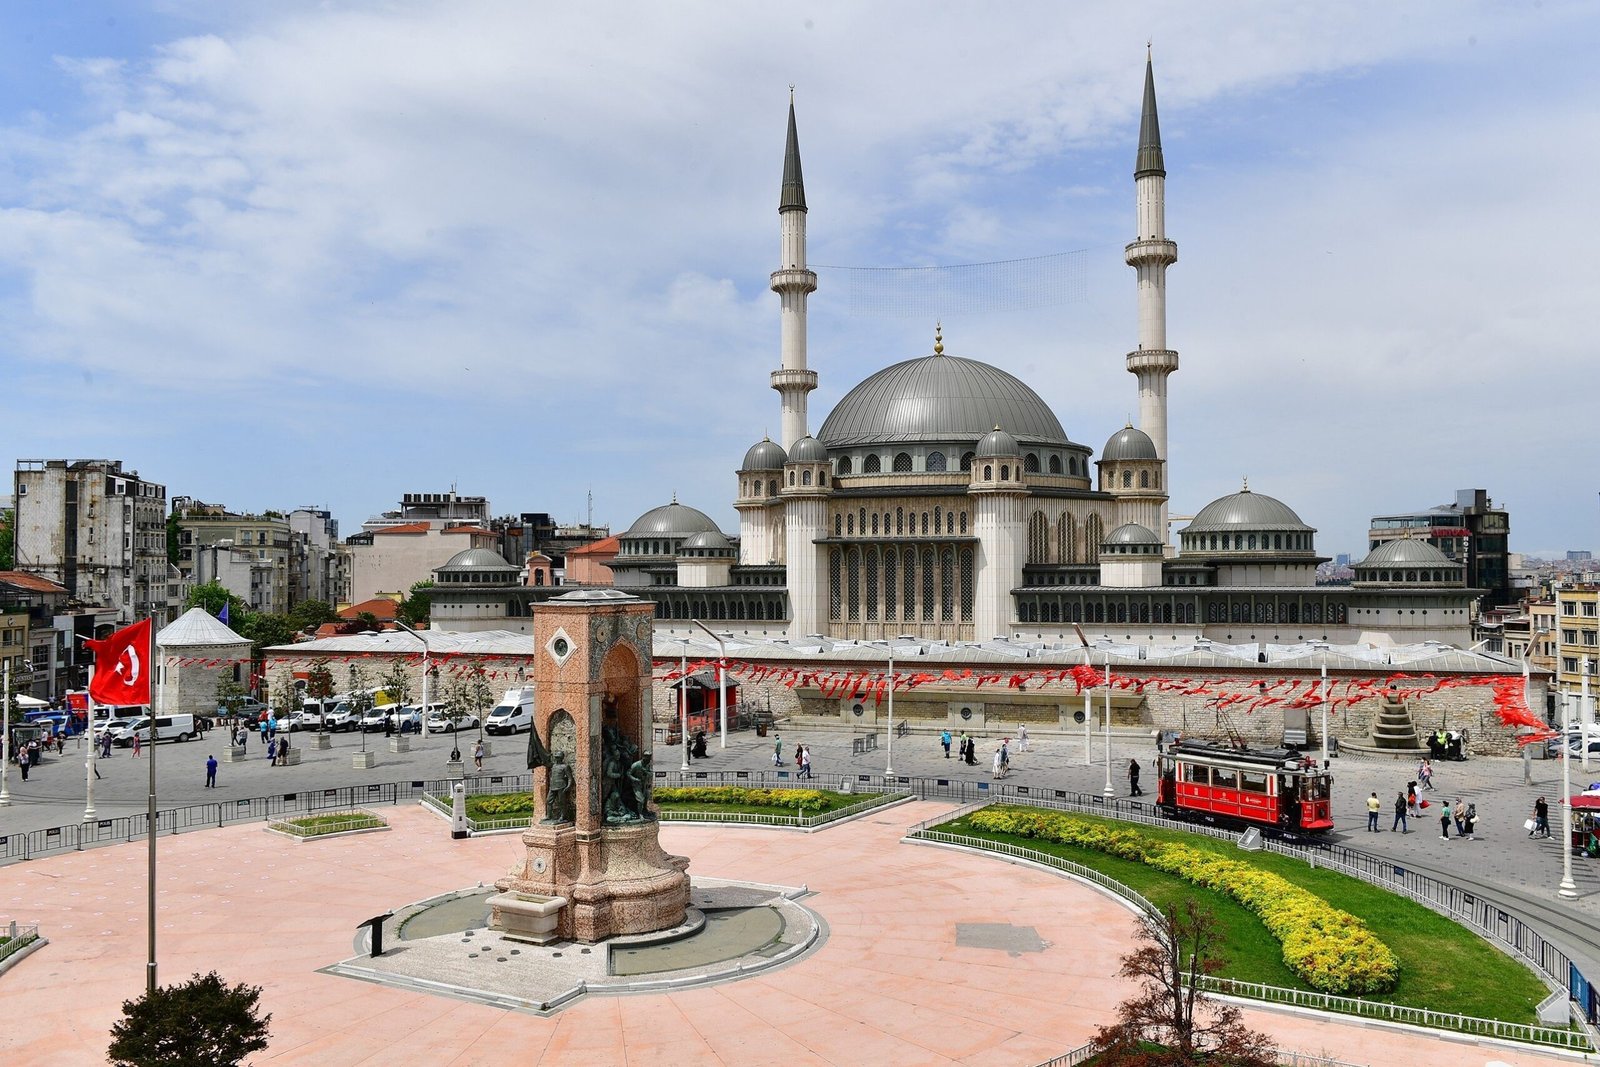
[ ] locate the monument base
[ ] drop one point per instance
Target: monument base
(615, 880)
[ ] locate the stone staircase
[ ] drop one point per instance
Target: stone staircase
(1393, 733)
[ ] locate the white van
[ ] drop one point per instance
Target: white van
(514, 713)
(168, 728)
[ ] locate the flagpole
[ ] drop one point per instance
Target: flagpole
(88, 764)
(161, 707)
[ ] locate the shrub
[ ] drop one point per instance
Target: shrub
(1331, 949)
(810, 799)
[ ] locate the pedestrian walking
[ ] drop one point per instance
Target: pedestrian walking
(272, 753)
(136, 744)
(798, 748)
(1005, 757)
(1374, 805)
(972, 752)
(1400, 810)
(998, 771)
(944, 739)
(105, 746)
(264, 737)
(805, 762)
(1444, 822)
(1541, 819)
(777, 750)
(477, 755)
(24, 763)
(1133, 778)
(1469, 823)
(211, 772)
(1460, 811)
(1411, 799)
(1022, 737)
(283, 751)
(1425, 773)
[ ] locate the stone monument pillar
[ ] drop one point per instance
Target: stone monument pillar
(593, 842)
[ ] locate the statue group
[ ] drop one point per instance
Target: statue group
(626, 776)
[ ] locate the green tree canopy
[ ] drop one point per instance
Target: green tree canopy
(319, 682)
(199, 1023)
(8, 539)
(312, 613)
(415, 608)
(211, 596)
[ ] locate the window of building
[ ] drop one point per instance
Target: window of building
(1030, 463)
(1055, 464)
(1005, 472)
(966, 461)
(805, 477)
(1127, 479)
(902, 462)
(871, 465)
(936, 462)
(845, 465)
(988, 472)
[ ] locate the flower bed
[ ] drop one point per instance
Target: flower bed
(1330, 949)
(812, 800)
(321, 825)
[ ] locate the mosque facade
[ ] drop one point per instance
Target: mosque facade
(942, 499)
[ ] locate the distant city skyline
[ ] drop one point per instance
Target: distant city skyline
(325, 255)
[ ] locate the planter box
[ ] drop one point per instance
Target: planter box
(233, 754)
(363, 761)
(323, 741)
(452, 769)
(399, 743)
(292, 758)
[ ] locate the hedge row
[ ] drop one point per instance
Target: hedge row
(1331, 949)
(811, 800)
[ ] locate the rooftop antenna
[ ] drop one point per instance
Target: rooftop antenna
(590, 520)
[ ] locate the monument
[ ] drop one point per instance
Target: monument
(593, 867)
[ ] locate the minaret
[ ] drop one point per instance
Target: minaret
(793, 283)
(1150, 255)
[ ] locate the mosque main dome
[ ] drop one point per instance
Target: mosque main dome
(939, 398)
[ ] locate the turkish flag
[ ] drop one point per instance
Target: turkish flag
(122, 666)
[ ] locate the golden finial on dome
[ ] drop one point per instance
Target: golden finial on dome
(938, 340)
(1246, 488)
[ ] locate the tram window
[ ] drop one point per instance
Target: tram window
(1221, 779)
(1316, 789)
(1252, 782)
(1199, 775)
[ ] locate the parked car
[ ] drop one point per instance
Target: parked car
(168, 728)
(1574, 744)
(114, 727)
(376, 718)
(514, 713)
(249, 708)
(406, 719)
(343, 718)
(439, 721)
(307, 718)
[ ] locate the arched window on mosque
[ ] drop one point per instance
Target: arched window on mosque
(1144, 479)
(772, 487)
(805, 477)
(871, 465)
(900, 521)
(963, 522)
(1038, 531)
(1005, 472)
(822, 477)
(988, 472)
(938, 516)
(1030, 463)
(1055, 464)
(902, 462)
(1066, 540)
(1094, 532)
(838, 525)
(850, 525)
(874, 524)
(845, 467)
(1127, 479)
(966, 461)
(936, 462)
(791, 477)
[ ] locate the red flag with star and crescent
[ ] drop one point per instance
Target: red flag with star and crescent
(122, 666)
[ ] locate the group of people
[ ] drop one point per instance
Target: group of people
(278, 751)
(28, 755)
(802, 756)
(1462, 815)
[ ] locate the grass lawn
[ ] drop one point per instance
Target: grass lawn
(312, 825)
(1443, 966)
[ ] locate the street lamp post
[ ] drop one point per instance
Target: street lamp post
(888, 644)
(1322, 699)
(1109, 792)
(5, 740)
(1527, 703)
(1569, 888)
(722, 680)
(425, 652)
(683, 699)
(1088, 714)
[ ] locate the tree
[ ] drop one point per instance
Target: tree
(211, 596)
(199, 1023)
(415, 608)
(286, 701)
(265, 629)
(319, 682)
(172, 538)
(397, 681)
(309, 614)
(8, 539)
(230, 694)
(1172, 952)
(469, 690)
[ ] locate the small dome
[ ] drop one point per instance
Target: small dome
(1406, 552)
(1243, 511)
(671, 519)
(809, 450)
(997, 443)
(1132, 533)
(711, 540)
(1130, 442)
(477, 559)
(765, 455)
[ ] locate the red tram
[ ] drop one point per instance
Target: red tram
(1263, 787)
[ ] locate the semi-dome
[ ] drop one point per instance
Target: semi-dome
(996, 442)
(710, 540)
(1131, 533)
(1406, 552)
(939, 398)
(670, 520)
(1245, 510)
(765, 455)
(1129, 443)
(477, 559)
(809, 450)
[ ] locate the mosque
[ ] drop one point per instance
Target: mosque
(942, 499)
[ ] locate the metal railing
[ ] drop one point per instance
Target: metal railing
(18, 936)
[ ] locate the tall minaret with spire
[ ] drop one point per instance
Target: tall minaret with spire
(1150, 254)
(793, 283)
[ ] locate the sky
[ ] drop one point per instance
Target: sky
(291, 254)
